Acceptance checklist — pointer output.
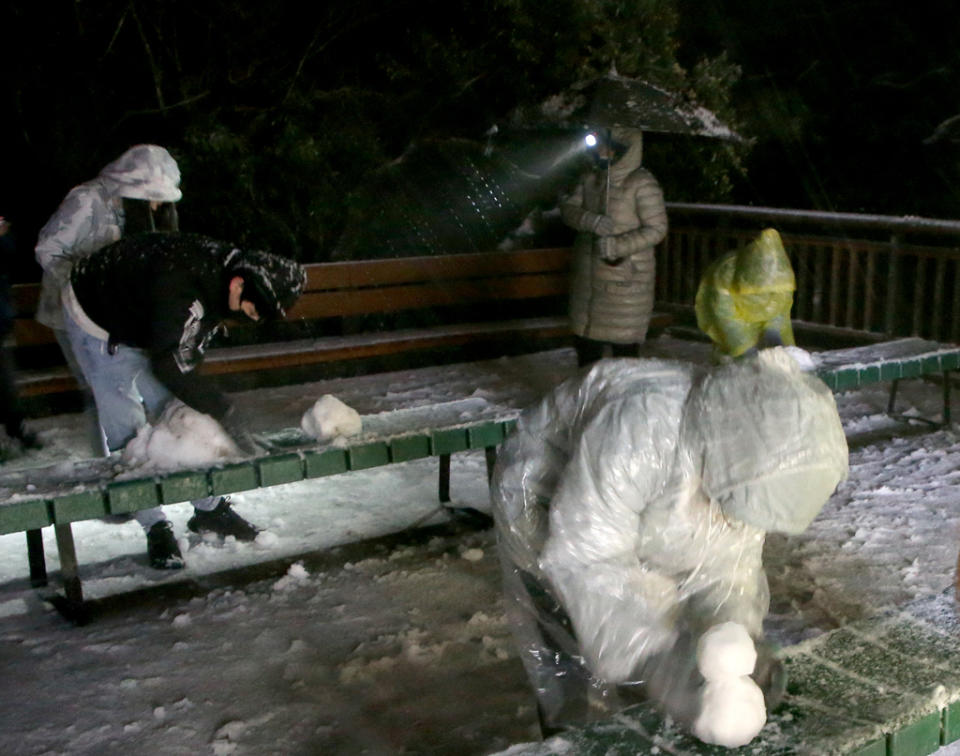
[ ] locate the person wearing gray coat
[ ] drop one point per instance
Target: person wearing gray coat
(619, 214)
(133, 193)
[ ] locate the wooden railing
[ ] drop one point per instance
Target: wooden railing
(898, 276)
(868, 274)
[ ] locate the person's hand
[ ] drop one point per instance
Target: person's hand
(235, 427)
(603, 225)
(607, 247)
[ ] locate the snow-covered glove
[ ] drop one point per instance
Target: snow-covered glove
(603, 225)
(607, 247)
(236, 428)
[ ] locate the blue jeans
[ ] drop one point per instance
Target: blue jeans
(126, 393)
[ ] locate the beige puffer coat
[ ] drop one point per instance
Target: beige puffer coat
(613, 301)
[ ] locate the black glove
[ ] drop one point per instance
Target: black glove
(607, 247)
(233, 424)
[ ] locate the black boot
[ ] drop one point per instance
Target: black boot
(223, 521)
(162, 548)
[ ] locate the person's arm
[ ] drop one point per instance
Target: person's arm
(180, 328)
(80, 225)
(619, 607)
(580, 219)
(652, 214)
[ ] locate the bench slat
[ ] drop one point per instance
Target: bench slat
(438, 293)
(363, 273)
(229, 360)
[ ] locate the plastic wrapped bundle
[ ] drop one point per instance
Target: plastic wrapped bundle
(622, 541)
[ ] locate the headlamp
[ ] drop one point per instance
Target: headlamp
(590, 140)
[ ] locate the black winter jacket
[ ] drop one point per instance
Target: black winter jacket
(168, 295)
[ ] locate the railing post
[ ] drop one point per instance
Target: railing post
(893, 286)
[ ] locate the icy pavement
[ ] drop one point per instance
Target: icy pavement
(302, 644)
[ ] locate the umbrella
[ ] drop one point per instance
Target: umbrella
(614, 100)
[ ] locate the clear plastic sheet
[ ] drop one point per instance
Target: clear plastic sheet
(631, 507)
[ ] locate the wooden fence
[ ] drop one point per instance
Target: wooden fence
(898, 276)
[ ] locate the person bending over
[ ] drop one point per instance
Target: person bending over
(139, 315)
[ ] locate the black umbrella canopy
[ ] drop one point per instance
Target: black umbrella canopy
(613, 100)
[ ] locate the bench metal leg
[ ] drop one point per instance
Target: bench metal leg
(946, 398)
(38, 563)
(474, 517)
(71, 604)
(444, 478)
(491, 454)
(893, 396)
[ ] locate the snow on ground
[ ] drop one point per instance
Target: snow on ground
(329, 635)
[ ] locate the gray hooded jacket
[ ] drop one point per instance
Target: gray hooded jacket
(91, 217)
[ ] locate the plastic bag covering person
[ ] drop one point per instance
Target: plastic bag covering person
(620, 216)
(631, 506)
(92, 216)
(746, 295)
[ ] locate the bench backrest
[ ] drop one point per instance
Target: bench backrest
(369, 287)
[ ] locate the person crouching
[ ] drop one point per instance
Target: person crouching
(139, 315)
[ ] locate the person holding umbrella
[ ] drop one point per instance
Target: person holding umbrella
(619, 214)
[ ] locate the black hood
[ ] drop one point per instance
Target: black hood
(271, 282)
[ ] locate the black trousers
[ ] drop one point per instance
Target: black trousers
(590, 350)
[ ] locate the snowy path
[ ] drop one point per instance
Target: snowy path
(300, 644)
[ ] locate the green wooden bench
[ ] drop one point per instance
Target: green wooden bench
(33, 499)
(893, 361)
(886, 686)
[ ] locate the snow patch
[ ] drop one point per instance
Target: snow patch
(296, 575)
(181, 437)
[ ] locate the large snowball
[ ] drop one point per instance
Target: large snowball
(732, 712)
(329, 418)
(726, 650)
(181, 437)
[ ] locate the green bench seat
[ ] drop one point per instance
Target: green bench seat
(893, 361)
(34, 499)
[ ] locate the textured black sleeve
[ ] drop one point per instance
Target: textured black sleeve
(191, 388)
(179, 331)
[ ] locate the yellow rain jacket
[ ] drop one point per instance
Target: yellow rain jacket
(747, 293)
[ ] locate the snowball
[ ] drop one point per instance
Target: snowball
(329, 418)
(726, 650)
(180, 437)
(266, 539)
(732, 712)
(298, 571)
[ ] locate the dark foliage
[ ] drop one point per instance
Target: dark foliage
(290, 119)
(841, 98)
(277, 111)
